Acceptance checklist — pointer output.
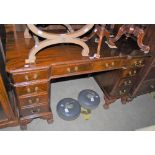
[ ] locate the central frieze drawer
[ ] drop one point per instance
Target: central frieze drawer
(30, 76)
(70, 69)
(32, 89)
(106, 65)
(130, 72)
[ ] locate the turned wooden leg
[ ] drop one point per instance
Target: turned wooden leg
(106, 106)
(99, 43)
(23, 127)
(50, 121)
(140, 37)
(111, 41)
(125, 99)
(108, 102)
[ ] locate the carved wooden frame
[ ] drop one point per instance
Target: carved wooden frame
(51, 39)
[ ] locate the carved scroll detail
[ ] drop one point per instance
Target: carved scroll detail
(51, 39)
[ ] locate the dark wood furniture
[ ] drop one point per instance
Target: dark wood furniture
(31, 82)
(118, 83)
(134, 80)
(145, 82)
(131, 29)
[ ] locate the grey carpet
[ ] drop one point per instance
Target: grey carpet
(137, 114)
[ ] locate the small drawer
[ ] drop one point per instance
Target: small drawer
(34, 111)
(69, 69)
(106, 65)
(30, 76)
(33, 100)
(137, 62)
(126, 82)
(147, 87)
(121, 91)
(32, 89)
(130, 72)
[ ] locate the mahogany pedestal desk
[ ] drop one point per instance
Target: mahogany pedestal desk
(31, 83)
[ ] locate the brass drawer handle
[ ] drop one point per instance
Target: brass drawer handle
(35, 110)
(132, 74)
(152, 86)
(127, 82)
(113, 63)
(76, 68)
(68, 69)
(28, 90)
(36, 89)
(35, 76)
(121, 92)
(26, 77)
(36, 100)
(106, 64)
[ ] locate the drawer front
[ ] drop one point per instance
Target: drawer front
(126, 82)
(130, 72)
(32, 89)
(70, 69)
(121, 91)
(151, 74)
(34, 111)
(139, 62)
(30, 76)
(33, 100)
(106, 65)
(146, 87)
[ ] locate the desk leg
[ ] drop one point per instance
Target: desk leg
(108, 101)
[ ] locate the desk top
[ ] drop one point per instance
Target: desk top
(18, 48)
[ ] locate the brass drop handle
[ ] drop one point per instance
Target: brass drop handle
(152, 86)
(37, 100)
(68, 69)
(36, 89)
(26, 77)
(132, 74)
(35, 110)
(113, 63)
(35, 76)
(76, 68)
(30, 101)
(28, 90)
(122, 92)
(106, 64)
(127, 82)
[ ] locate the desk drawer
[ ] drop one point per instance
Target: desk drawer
(131, 72)
(146, 87)
(34, 111)
(121, 91)
(33, 100)
(32, 89)
(126, 82)
(139, 62)
(70, 69)
(106, 65)
(30, 76)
